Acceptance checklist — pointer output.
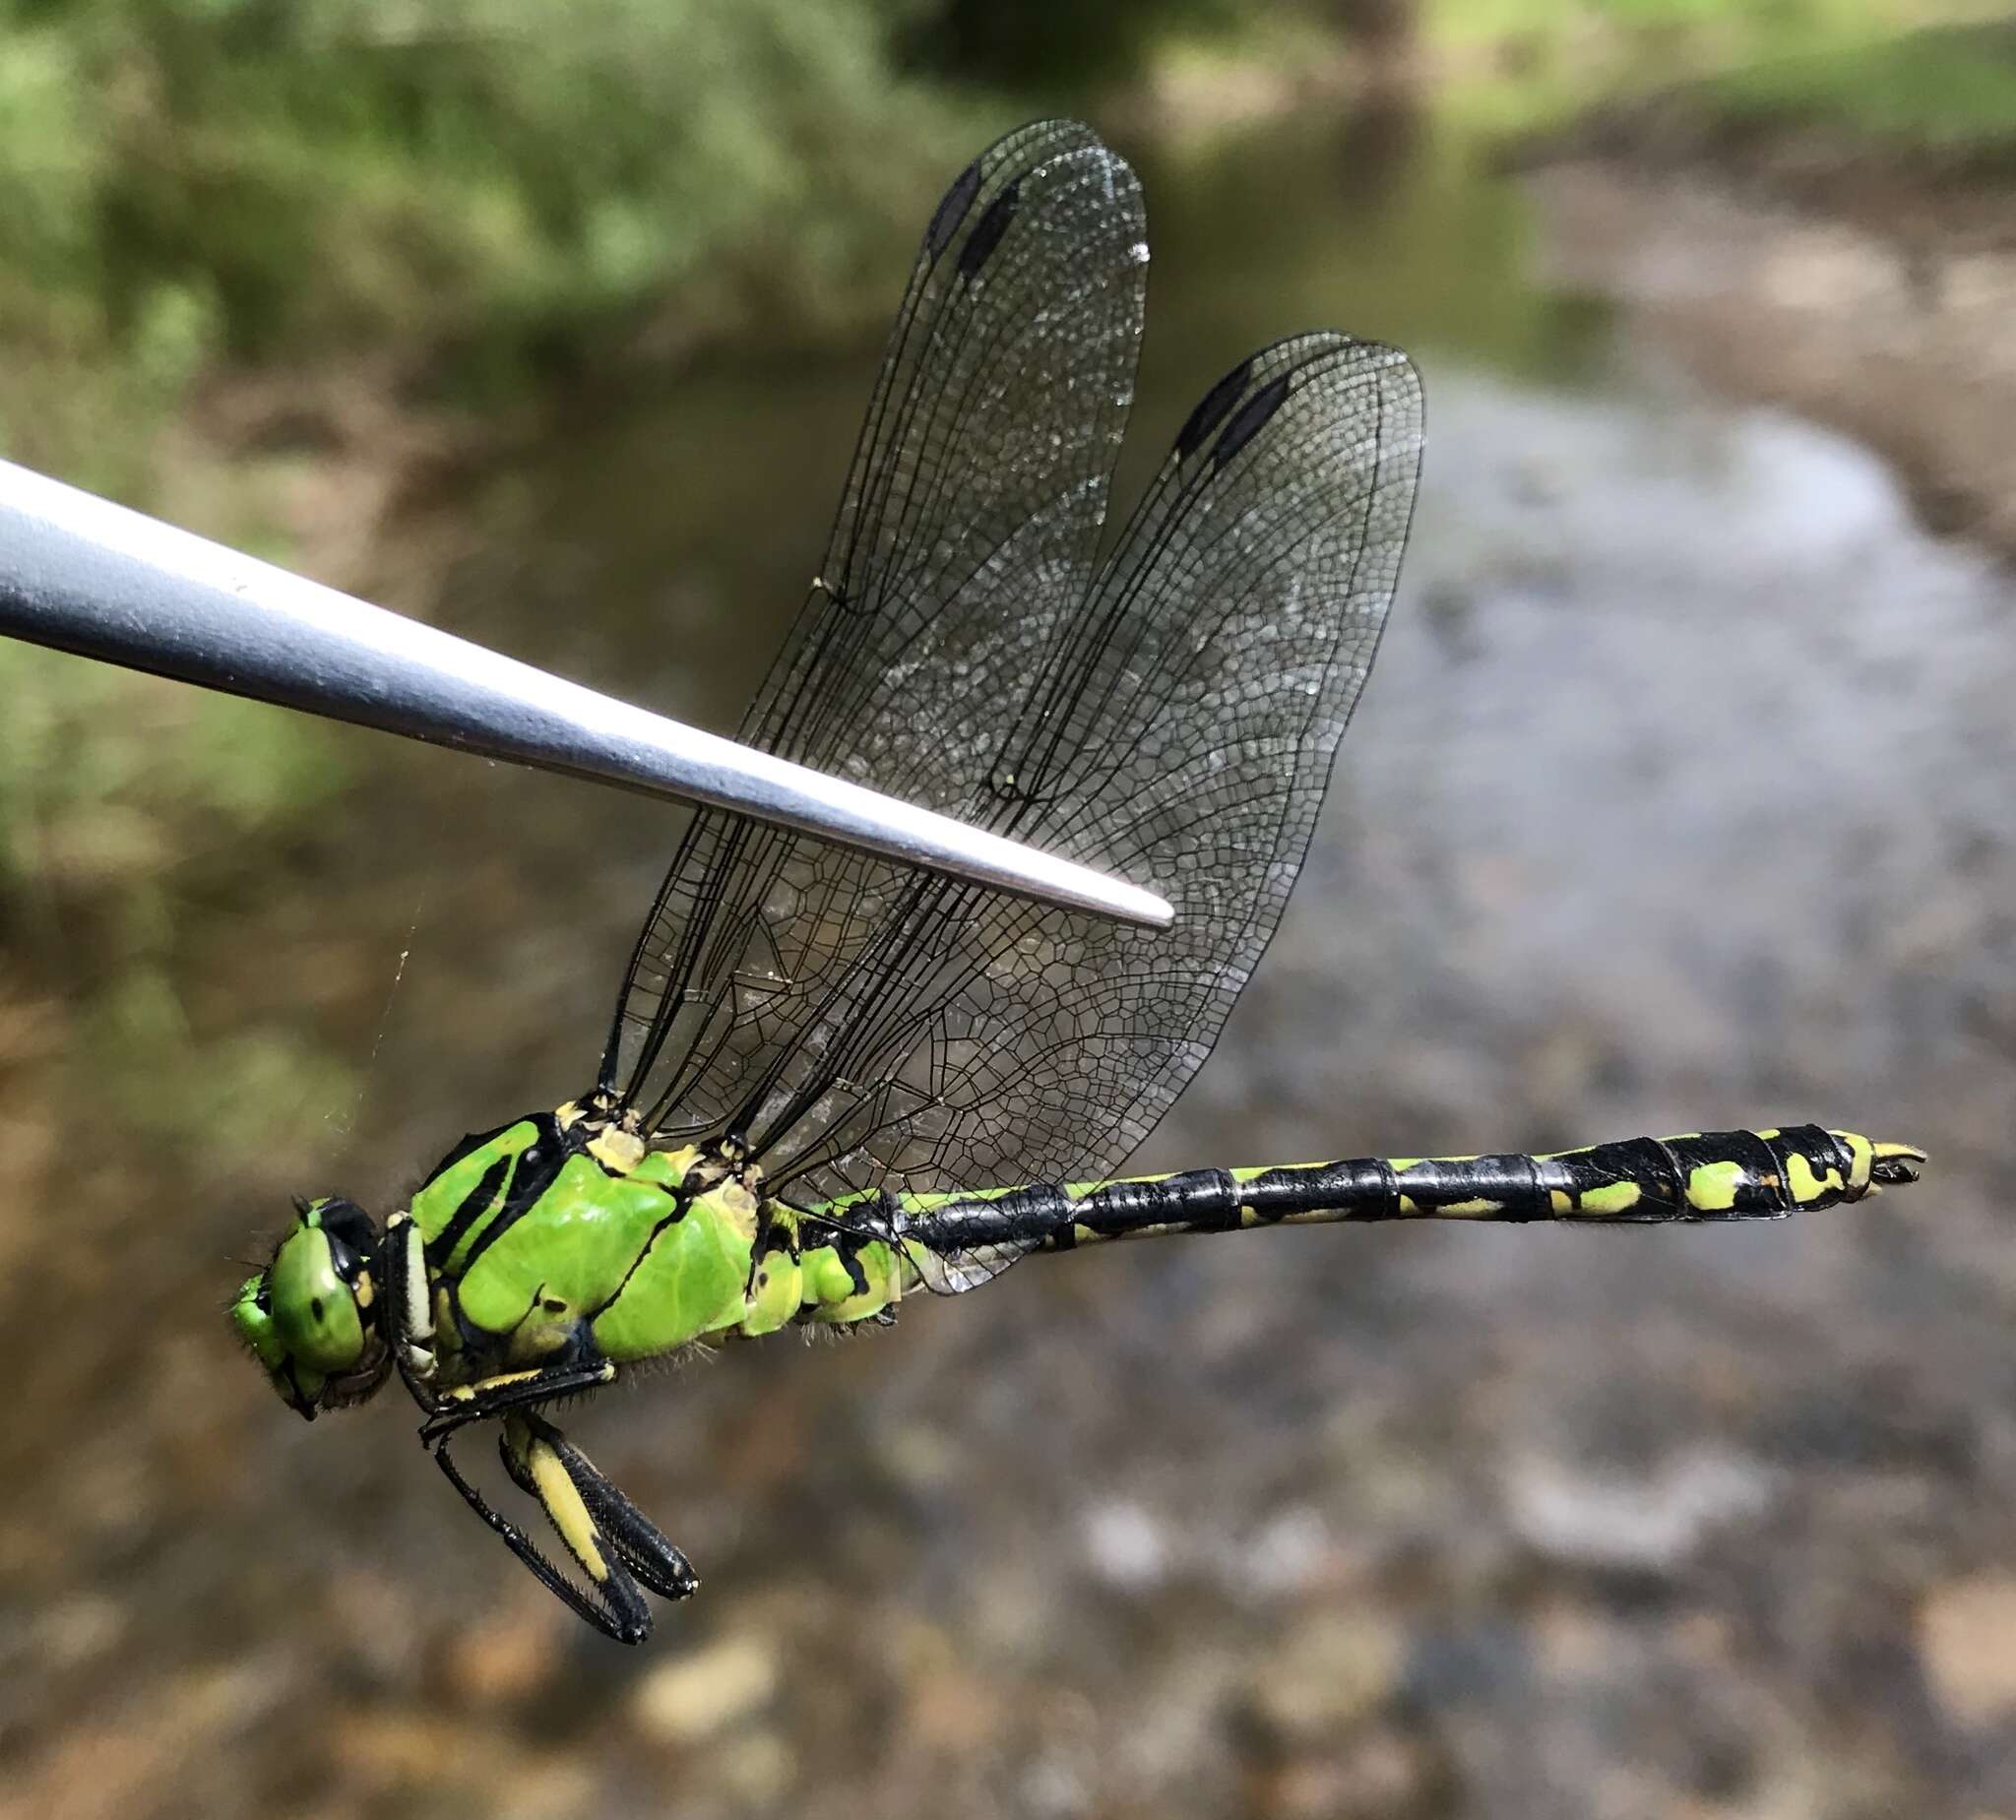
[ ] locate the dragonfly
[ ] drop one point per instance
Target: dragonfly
(831, 1081)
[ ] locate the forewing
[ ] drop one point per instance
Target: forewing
(866, 1027)
(966, 540)
(1184, 741)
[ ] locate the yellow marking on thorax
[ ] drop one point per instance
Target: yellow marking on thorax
(617, 1150)
(739, 1204)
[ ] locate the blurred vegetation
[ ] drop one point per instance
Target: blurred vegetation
(480, 191)
(1791, 22)
(1941, 93)
(453, 210)
(448, 205)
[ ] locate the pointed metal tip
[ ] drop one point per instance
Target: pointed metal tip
(83, 575)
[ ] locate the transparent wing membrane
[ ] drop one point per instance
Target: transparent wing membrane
(1169, 716)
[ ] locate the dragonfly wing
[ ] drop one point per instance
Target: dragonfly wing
(1171, 716)
(966, 537)
(1184, 741)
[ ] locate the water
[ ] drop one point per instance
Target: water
(1680, 798)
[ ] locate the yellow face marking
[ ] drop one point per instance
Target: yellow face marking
(1806, 1187)
(1613, 1198)
(1712, 1188)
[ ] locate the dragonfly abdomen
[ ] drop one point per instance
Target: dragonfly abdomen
(1700, 1176)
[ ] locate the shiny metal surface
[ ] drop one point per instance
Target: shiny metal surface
(81, 574)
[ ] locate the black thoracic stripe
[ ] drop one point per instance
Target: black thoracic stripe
(680, 1203)
(535, 1167)
(1513, 1186)
(476, 1140)
(474, 1204)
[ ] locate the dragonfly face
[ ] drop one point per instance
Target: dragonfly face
(312, 1316)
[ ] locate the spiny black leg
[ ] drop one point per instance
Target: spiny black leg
(639, 1544)
(616, 1608)
(448, 1411)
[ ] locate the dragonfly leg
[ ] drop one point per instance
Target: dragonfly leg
(612, 1602)
(405, 1264)
(543, 1461)
(506, 1394)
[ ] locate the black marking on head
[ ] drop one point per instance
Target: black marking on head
(348, 1226)
(1251, 415)
(951, 210)
(1211, 409)
(988, 231)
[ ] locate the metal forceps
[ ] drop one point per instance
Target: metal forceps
(83, 574)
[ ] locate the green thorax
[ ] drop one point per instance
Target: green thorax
(565, 1236)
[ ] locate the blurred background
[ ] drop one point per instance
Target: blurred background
(1682, 798)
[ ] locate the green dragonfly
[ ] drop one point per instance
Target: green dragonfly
(831, 1080)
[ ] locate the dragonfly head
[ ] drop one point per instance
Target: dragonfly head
(310, 1317)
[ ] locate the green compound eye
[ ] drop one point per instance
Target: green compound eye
(308, 1318)
(315, 1312)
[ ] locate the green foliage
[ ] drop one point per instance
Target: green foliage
(1564, 55)
(1061, 45)
(1936, 92)
(480, 187)
(1791, 22)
